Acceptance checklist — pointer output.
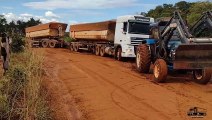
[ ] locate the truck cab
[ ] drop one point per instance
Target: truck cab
(130, 31)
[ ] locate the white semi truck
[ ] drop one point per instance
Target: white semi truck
(118, 38)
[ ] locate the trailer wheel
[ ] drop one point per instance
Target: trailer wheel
(102, 51)
(143, 58)
(202, 76)
(160, 70)
(76, 48)
(45, 44)
(118, 54)
(52, 44)
(71, 47)
(97, 51)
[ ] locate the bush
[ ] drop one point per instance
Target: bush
(68, 39)
(21, 94)
(17, 44)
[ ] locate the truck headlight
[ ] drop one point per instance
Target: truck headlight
(129, 50)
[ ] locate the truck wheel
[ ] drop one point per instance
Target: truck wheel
(102, 51)
(71, 47)
(202, 76)
(97, 51)
(160, 70)
(118, 54)
(76, 48)
(52, 44)
(143, 58)
(44, 44)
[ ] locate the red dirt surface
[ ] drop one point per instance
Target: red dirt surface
(84, 86)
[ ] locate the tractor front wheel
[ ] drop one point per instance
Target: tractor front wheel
(160, 70)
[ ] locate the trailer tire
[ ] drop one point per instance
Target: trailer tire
(44, 43)
(102, 51)
(160, 70)
(52, 44)
(76, 47)
(143, 58)
(71, 47)
(97, 50)
(202, 76)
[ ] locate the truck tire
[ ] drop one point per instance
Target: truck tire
(45, 44)
(76, 47)
(160, 70)
(143, 58)
(102, 51)
(71, 47)
(202, 76)
(52, 44)
(118, 54)
(97, 50)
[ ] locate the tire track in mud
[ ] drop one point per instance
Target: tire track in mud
(148, 106)
(72, 112)
(127, 97)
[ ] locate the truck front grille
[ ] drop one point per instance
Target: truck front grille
(136, 42)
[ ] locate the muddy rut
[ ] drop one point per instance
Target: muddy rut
(84, 86)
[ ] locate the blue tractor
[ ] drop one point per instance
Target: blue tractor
(175, 48)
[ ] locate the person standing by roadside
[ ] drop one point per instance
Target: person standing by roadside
(5, 41)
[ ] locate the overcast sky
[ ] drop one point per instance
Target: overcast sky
(75, 11)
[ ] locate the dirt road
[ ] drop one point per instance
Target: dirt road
(85, 86)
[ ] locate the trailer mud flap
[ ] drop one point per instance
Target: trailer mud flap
(193, 56)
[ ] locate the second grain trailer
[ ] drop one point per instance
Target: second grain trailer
(46, 35)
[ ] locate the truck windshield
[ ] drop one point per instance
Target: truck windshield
(139, 28)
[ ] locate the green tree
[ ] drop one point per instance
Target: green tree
(183, 6)
(3, 22)
(164, 10)
(189, 11)
(196, 11)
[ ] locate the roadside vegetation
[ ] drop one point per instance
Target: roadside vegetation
(22, 96)
(190, 11)
(67, 38)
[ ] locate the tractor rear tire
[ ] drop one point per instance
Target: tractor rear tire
(143, 58)
(202, 76)
(102, 51)
(45, 44)
(160, 70)
(97, 50)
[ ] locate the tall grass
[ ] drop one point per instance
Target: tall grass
(21, 94)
